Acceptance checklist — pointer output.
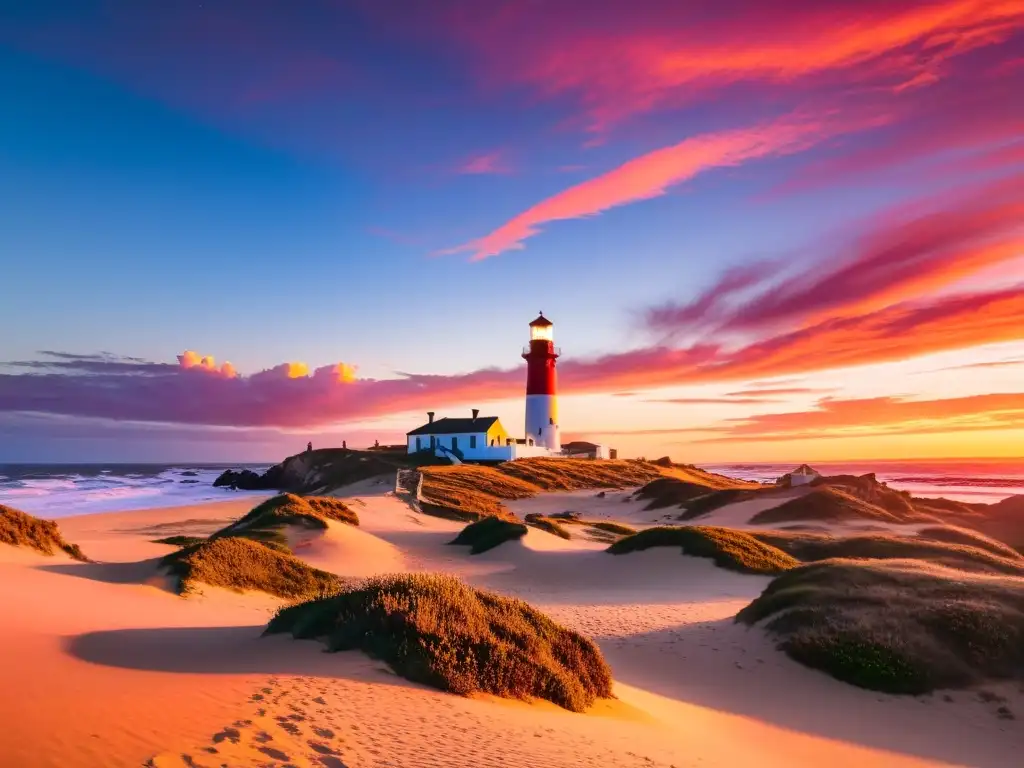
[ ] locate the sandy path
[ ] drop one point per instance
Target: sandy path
(110, 671)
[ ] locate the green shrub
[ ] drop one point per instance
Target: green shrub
(488, 533)
(730, 549)
(437, 631)
(900, 626)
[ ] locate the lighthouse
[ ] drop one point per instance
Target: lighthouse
(541, 400)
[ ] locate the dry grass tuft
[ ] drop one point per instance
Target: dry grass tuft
(900, 626)
(733, 550)
(19, 529)
(437, 631)
(267, 521)
(242, 564)
(180, 541)
(550, 524)
(488, 533)
(813, 547)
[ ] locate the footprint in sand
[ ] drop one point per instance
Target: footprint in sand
(324, 733)
(276, 754)
(323, 749)
(229, 734)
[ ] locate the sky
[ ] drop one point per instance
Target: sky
(786, 231)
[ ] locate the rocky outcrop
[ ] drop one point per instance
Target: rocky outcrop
(317, 471)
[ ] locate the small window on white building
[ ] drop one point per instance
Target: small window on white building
(472, 441)
(455, 443)
(419, 446)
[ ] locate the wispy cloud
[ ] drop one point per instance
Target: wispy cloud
(872, 417)
(900, 254)
(493, 162)
(649, 176)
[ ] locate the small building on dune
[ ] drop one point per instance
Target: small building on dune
(802, 475)
(477, 438)
(582, 449)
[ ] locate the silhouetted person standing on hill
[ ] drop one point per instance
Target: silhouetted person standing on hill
(309, 446)
(344, 445)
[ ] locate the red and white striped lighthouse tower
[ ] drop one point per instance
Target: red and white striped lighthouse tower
(541, 400)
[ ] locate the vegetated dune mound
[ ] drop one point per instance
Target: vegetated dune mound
(555, 474)
(438, 631)
(242, 564)
(708, 503)
(488, 533)
(19, 529)
(561, 525)
(730, 549)
(830, 504)
(471, 492)
(970, 538)
(813, 547)
(900, 626)
(267, 522)
(1004, 521)
(682, 486)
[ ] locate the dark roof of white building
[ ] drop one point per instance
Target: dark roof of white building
(455, 426)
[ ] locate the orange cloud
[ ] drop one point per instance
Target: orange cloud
(651, 175)
(295, 370)
(189, 359)
(879, 416)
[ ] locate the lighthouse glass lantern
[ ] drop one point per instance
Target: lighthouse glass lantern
(542, 329)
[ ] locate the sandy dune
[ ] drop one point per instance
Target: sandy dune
(111, 669)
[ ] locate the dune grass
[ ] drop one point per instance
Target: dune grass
(709, 502)
(19, 529)
(555, 474)
(550, 524)
(967, 537)
(438, 631)
(826, 504)
(813, 547)
(242, 564)
(610, 527)
(471, 492)
(267, 521)
(488, 533)
(180, 541)
(899, 626)
(730, 549)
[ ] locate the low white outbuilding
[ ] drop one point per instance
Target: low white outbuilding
(803, 475)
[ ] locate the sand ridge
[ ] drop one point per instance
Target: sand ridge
(118, 671)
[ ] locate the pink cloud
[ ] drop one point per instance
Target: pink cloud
(650, 176)
(906, 252)
(487, 163)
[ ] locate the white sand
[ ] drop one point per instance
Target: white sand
(102, 666)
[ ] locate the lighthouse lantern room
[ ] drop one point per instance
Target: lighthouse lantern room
(541, 397)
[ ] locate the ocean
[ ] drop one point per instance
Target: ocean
(53, 491)
(60, 490)
(980, 481)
